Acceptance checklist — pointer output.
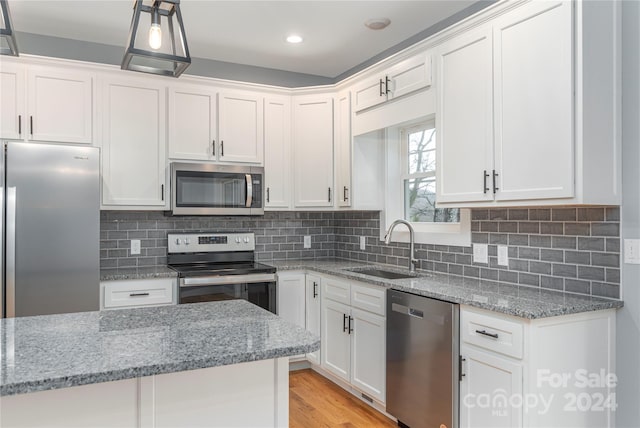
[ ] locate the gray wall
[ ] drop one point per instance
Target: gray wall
(570, 249)
(628, 319)
(57, 47)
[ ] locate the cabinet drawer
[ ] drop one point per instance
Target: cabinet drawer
(122, 294)
(336, 290)
(493, 333)
(368, 298)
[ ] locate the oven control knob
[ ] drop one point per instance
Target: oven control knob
(186, 241)
(246, 240)
(177, 241)
(237, 240)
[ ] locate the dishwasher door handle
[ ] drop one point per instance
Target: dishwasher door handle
(405, 310)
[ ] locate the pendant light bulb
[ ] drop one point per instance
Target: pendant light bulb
(155, 36)
(155, 32)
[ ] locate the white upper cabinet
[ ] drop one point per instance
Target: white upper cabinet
(133, 143)
(12, 106)
(192, 123)
(528, 107)
(533, 96)
(343, 149)
(277, 152)
(240, 127)
(465, 152)
(313, 151)
(59, 105)
(55, 105)
(403, 78)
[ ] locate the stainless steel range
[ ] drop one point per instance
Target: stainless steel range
(220, 266)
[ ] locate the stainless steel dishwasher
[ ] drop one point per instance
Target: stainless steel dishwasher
(422, 360)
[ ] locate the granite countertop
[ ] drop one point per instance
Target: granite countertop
(58, 351)
(117, 274)
(511, 299)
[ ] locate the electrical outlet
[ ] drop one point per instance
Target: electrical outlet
(135, 246)
(363, 242)
(307, 241)
(503, 255)
(480, 253)
(632, 251)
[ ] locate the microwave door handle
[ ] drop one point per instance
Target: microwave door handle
(249, 190)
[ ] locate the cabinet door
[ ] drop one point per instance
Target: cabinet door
(464, 118)
(313, 312)
(313, 152)
(489, 382)
(369, 93)
(60, 105)
(192, 124)
(133, 143)
(534, 102)
(12, 114)
(336, 341)
(343, 149)
(241, 128)
(291, 298)
(277, 152)
(409, 75)
(368, 353)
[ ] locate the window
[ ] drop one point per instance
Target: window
(419, 177)
(410, 188)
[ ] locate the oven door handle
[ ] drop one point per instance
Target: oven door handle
(227, 279)
(249, 190)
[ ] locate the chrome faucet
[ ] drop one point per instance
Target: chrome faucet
(413, 262)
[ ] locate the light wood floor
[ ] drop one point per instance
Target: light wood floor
(315, 401)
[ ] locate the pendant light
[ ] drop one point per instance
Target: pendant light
(8, 44)
(157, 42)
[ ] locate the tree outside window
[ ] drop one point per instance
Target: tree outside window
(420, 178)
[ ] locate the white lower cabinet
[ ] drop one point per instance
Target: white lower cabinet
(291, 297)
(313, 316)
(368, 353)
(336, 339)
(290, 304)
(353, 340)
(548, 372)
(488, 375)
(137, 293)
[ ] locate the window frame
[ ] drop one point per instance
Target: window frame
(397, 171)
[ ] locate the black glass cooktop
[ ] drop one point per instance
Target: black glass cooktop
(219, 269)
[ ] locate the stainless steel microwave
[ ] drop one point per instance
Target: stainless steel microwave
(210, 189)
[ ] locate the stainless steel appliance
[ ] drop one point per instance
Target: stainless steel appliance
(422, 360)
(208, 189)
(50, 229)
(220, 266)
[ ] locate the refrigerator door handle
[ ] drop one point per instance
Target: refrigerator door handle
(10, 267)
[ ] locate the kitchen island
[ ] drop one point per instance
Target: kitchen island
(206, 364)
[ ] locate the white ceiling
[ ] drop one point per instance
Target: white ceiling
(251, 32)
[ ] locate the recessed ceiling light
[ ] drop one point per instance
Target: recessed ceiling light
(378, 23)
(294, 38)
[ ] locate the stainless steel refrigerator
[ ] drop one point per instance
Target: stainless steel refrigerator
(50, 229)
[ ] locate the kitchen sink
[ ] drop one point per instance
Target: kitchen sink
(382, 273)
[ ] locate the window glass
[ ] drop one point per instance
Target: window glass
(420, 178)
